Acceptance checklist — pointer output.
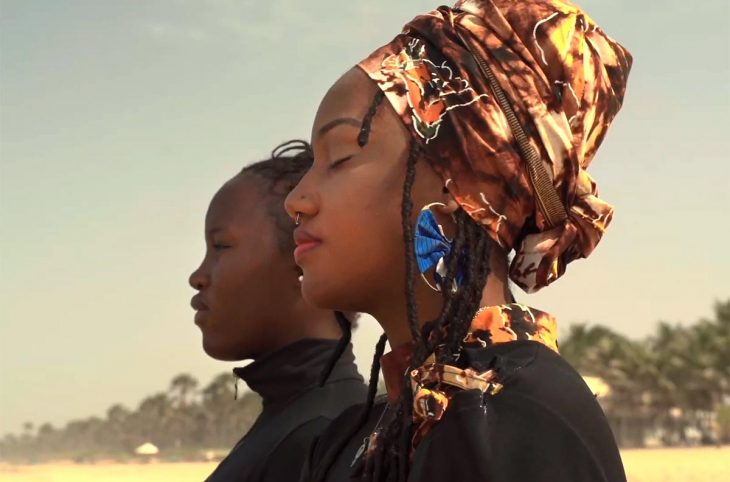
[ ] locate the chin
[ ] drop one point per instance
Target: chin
(222, 352)
(328, 294)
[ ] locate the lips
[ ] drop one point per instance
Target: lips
(305, 242)
(197, 303)
(200, 307)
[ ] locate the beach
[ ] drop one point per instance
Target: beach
(703, 464)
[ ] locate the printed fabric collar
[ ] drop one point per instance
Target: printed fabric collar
(434, 383)
(491, 325)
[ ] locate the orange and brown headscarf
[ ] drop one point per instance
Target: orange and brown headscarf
(510, 100)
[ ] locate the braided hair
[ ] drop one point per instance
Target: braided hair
(287, 165)
(390, 457)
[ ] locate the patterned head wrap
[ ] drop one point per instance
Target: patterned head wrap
(510, 100)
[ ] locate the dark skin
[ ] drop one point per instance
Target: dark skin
(249, 302)
(351, 200)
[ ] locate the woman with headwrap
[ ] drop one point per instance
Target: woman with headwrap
(463, 140)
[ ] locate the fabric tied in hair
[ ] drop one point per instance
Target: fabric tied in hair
(564, 80)
(433, 384)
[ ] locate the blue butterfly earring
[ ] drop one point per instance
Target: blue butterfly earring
(434, 250)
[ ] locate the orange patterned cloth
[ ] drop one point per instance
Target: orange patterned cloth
(563, 79)
(499, 324)
(433, 383)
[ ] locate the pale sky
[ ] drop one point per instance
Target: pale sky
(119, 120)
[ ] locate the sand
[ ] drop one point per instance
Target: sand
(644, 465)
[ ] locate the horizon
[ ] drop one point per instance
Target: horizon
(363, 367)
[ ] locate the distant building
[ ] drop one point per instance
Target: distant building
(147, 450)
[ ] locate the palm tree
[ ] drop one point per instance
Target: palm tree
(151, 420)
(627, 368)
(117, 433)
(46, 439)
(181, 387)
(228, 419)
(218, 405)
(182, 426)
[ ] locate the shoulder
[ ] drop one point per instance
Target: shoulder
(336, 431)
(280, 446)
(544, 424)
(299, 439)
(337, 397)
(325, 406)
(530, 370)
(287, 459)
(336, 447)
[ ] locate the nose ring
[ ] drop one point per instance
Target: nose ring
(298, 219)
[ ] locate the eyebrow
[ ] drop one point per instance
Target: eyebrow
(214, 230)
(336, 122)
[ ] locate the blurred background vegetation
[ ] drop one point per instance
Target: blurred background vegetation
(671, 388)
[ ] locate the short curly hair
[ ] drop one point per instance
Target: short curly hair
(287, 165)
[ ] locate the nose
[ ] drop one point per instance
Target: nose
(302, 200)
(198, 279)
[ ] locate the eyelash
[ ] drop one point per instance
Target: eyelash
(219, 246)
(339, 162)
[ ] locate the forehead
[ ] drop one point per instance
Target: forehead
(239, 201)
(349, 97)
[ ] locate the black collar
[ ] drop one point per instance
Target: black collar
(287, 372)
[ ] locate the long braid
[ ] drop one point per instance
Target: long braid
(331, 456)
(367, 121)
(390, 459)
(394, 445)
(404, 444)
(410, 255)
(449, 295)
(478, 270)
(467, 298)
(398, 431)
(391, 441)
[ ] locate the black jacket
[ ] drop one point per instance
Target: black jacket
(544, 425)
(295, 410)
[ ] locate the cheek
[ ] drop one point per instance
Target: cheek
(230, 285)
(363, 243)
(238, 294)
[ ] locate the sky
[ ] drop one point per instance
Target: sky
(119, 121)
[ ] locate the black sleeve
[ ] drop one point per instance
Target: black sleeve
(482, 443)
(544, 426)
(305, 474)
(324, 448)
(285, 463)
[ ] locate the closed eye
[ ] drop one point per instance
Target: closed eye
(340, 161)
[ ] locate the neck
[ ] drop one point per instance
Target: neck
(316, 323)
(302, 322)
(394, 316)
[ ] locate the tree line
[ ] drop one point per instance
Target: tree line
(184, 422)
(678, 377)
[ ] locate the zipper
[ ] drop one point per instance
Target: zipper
(547, 196)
